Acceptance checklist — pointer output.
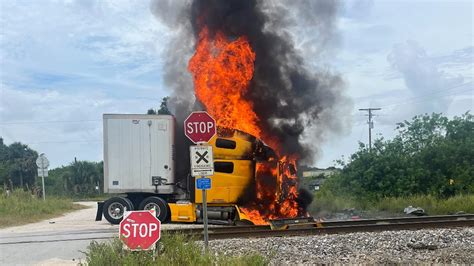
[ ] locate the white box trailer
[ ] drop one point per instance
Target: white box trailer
(138, 153)
(139, 165)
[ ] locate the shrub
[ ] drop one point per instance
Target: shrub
(173, 250)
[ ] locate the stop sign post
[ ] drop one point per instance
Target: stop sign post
(43, 164)
(199, 127)
(140, 230)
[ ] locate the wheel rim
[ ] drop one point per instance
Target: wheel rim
(116, 210)
(151, 205)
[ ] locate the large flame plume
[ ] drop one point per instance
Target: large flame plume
(247, 72)
(222, 69)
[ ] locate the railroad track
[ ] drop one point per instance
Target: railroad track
(305, 227)
(299, 227)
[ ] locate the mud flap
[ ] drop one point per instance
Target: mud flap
(100, 211)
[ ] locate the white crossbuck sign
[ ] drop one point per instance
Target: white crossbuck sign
(202, 163)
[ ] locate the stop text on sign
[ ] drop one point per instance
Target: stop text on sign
(139, 230)
(199, 127)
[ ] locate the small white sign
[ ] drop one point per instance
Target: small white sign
(43, 172)
(202, 161)
(42, 161)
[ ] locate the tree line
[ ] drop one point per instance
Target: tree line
(18, 170)
(17, 165)
(79, 178)
(430, 155)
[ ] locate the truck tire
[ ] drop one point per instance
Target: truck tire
(114, 209)
(159, 204)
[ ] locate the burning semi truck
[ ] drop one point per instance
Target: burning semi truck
(236, 60)
(250, 184)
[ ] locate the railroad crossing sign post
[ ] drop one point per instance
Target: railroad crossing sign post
(43, 164)
(201, 160)
(200, 127)
(140, 230)
(202, 164)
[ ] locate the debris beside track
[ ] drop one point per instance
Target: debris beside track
(421, 246)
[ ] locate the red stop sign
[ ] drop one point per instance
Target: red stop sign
(139, 230)
(199, 127)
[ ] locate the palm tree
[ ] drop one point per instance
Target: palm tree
(83, 176)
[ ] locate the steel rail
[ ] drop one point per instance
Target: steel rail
(400, 220)
(253, 227)
(259, 232)
(372, 225)
(340, 229)
(329, 227)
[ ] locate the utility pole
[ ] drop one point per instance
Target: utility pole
(371, 124)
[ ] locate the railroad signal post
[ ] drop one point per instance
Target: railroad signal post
(202, 165)
(200, 127)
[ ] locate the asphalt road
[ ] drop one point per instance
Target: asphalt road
(57, 241)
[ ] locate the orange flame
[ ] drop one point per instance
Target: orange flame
(276, 192)
(222, 69)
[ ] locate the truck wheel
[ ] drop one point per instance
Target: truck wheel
(114, 209)
(159, 204)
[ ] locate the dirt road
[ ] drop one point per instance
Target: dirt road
(57, 241)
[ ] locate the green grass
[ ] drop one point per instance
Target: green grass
(430, 204)
(326, 202)
(173, 250)
(20, 207)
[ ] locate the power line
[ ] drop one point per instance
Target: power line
(370, 122)
(424, 100)
(426, 97)
(49, 122)
(66, 141)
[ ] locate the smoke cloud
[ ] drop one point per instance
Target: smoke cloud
(423, 77)
(297, 104)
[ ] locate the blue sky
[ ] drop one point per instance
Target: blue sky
(65, 63)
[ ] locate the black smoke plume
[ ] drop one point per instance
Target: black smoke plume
(295, 104)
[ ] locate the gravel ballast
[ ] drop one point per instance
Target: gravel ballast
(421, 246)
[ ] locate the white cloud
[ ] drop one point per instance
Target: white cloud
(68, 36)
(74, 60)
(52, 122)
(58, 123)
(443, 60)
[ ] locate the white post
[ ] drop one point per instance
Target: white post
(42, 163)
(42, 180)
